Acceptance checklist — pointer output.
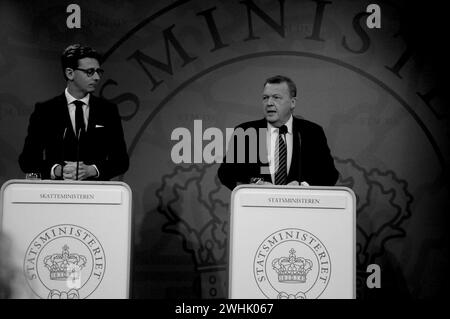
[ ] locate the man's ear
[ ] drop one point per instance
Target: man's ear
(69, 73)
(293, 102)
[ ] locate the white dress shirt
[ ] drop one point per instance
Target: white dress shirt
(272, 138)
(72, 107)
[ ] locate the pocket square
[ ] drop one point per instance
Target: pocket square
(97, 126)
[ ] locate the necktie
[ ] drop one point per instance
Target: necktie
(79, 117)
(281, 158)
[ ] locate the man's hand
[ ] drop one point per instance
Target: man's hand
(295, 183)
(58, 171)
(69, 170)
(262, 182)
(84, 171)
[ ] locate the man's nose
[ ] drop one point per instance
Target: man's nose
(96, 76)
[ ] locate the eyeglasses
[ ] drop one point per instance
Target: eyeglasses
(90, 72)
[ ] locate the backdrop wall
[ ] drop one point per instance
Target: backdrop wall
(377, 93)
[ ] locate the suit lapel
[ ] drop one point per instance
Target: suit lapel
(261, 127)
(62, 112)
(92, 114)
(295, 170)
(262, 140)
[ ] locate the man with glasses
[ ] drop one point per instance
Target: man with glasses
(76, 135)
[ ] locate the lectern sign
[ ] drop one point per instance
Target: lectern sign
(71, 239)
(292, 242)
(292, 264)
(64, 262)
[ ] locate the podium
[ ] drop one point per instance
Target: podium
(292, 242)
(72, 239)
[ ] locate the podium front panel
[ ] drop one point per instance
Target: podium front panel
(70, 239)
(292, 242)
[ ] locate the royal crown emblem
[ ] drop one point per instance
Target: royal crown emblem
(65, 265)
(292, 269)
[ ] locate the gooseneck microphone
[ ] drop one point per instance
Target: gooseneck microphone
(62, 147)
(78, 151)
(62, 152)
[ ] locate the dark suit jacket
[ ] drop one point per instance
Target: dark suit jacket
(311, 159)
(51, 139)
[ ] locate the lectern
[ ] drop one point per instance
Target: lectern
(71, 239)
(292, 242)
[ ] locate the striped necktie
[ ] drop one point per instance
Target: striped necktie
(281, 157)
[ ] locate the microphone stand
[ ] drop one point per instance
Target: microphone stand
(62, 152)
(78, 150)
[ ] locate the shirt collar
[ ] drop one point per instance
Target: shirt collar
(288, 124)
(70, 98)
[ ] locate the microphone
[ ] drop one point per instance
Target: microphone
(62, 148)
(78, 151)
(62, 152)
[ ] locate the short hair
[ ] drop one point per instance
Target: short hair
(277, 79)
(75, 52)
